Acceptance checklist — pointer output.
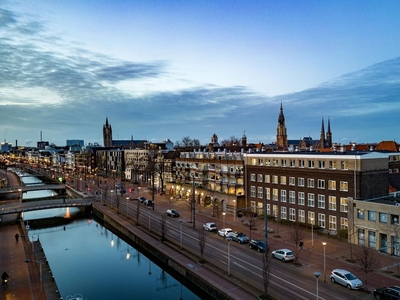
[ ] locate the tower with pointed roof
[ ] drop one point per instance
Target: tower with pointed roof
(244, 140)
(107, 134)
(281, 135)
(329, 134)
(322, 140)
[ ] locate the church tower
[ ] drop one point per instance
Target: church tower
(329, 134)
(322, 141)
(244, 140)
(107, 134)
(281, 135)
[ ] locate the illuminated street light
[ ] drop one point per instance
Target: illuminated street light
(324, 243)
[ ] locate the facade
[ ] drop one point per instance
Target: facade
(313, 188)
(376, 223)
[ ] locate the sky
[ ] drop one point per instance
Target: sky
(172, 69)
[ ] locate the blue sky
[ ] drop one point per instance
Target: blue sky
(170, 69)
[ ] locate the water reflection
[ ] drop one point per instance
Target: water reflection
(89, 259)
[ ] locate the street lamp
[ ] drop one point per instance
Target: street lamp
(194, 203)
(223, 215)
(149, 208)
(112, 191)
(324, 243)
(180, 231)
(127, 212)
(138, 192)
(312, 232)
(317, 274)
(234, 210)
(40, 272)
(229, 256)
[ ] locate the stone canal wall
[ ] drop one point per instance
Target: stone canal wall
(165, 256)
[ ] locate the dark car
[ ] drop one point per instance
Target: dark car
(142, 199)
(172, 213)
(148, 202)
(259, 245)
(387, 293)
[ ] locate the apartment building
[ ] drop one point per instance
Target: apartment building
(313, 187)
(375, 223)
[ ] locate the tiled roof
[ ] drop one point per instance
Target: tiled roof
(387, 146)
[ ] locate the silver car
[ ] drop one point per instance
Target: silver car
(210, 226)
(283, 254)
(346, 278)
(225, 232)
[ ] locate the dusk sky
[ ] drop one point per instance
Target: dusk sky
(170, 69)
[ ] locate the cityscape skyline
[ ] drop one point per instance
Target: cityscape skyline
(166, 70)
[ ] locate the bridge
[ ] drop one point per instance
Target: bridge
(32, 187)
(16, 207)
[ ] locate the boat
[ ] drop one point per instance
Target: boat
(74, 297)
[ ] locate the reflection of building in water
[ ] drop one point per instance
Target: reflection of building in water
(67, 213)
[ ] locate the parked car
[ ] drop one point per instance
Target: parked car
(142, 199)
(211, 226)
(283, 254)
(259, 245)
(387, 293)
(225, 232)
(239, 237)
(172, 213)
(346, 278)
(148, 202)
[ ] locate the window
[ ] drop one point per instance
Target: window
(275, 194)
(283, 213)
(292, 214)
(371, 215)
(321, 220)
(344, 204)
(283, 195)
(301, 163)
(292, 197)
(301, 198)
(300, 182)
(332, 203)
(344, 186)
(275, 162)
(275, 179)
(310, 198)
(372, 239)
(321, 183)
(252, 191)
(283, 162)
(311, 164)
(292, 181)
(394, 219)
(360, 214)
(302, 216)
(321, 164)
(361, 236)
(383, 217)
(267, 162)
(253, 161)
(321, 201)
(332, 165)
(267, 178)
(267, 193)
(311, 217)
(344, 223)
(275, 210)
(332, 185)
(260, 161)
(283, 180)
(252, 177)
(292, 163)
(310, 182)
(260, 192)
(259, 177)
(268, 209)
(332, 223)
(344, 165)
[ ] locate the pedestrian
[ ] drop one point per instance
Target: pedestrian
(16, 236)
(64, 200)
(301, 245)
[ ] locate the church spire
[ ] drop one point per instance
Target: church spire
(281, 135)
(329, 134)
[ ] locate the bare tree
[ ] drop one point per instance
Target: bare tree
(266, 263)
(163, 224)
(202, 242)
(232, 141)
(296, 236)
(252, 222)
(367, 259)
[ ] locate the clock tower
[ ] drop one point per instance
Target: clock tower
(107, 134)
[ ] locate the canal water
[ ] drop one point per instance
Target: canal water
(87, 258)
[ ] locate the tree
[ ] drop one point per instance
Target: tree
(187, 142)
(252, 222)
(367, 259)
(297, 236)
(231, 142)
(202, 242)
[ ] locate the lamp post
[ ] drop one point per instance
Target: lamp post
(234, 210)
(317, 274)
(149, 208)
(223, 215)
(312, 232)
(229, 256)
(194, 203)
(112, 191)
(127, 211)
(40, 272)
(180, 232)
(138, 192)
(324, 243)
